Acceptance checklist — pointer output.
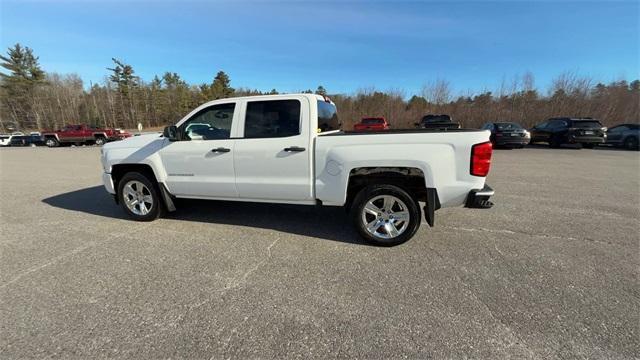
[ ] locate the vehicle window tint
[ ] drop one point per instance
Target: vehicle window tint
(372, 121)
(587, 124)
(543, 125)
(328, 117)
(276, 118)
(212, 123)
(508, 126)
(620, 128)
(556, 124)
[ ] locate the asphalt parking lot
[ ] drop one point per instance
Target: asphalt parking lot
(552, 271)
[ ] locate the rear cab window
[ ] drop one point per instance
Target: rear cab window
(328, 117)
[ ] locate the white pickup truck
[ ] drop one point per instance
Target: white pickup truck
(290, 149)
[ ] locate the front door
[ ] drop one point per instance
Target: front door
(201, 164)
(272, 158)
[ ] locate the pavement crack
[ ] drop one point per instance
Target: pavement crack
(544, 236)
(244, 277)
(49, 263)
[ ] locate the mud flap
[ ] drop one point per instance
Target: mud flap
(433, 204)
(166, 196)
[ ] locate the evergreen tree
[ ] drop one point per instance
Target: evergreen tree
(20, 84)
(221, 86)
(321, 91)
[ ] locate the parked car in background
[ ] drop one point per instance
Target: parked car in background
(33, 139)
(507, 134)
(82, 134)
(5, 139)
(437, 122)
(624, 135)
(371, 124)
(587, 132)
(267, 149)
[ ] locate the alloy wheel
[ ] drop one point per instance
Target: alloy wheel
(385, 216)
(137, 197)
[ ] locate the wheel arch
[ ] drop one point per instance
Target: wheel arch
(119, 170)
(410, 179)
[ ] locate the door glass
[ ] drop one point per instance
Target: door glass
(212, 123)
(276, 118)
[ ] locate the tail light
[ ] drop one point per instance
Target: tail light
(481, 159)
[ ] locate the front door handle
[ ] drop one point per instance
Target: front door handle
(220, 150)
(294, 148)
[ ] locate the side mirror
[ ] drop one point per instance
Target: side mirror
(171, 133)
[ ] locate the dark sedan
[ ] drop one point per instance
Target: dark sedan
(624, 135)
(507, 134)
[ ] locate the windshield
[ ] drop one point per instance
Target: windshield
(508, 126)
(436, 119)
(372, 121)
(594, 124)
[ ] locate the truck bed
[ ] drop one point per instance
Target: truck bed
(443, 156)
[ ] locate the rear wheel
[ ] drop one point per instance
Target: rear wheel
(385, 215)
(139, 197)
(631, 143)
(51, 142)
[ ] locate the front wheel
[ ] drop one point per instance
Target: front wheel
(51, 142)
(139, 197)
(100, 141)
(385, 215)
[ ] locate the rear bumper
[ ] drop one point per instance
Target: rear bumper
(512, 141)
(586, 139)
(479, 198)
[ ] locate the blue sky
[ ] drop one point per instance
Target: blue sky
(343, 45)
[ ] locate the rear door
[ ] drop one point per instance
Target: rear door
(272, 157)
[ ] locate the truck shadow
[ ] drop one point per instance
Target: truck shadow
(330, 223)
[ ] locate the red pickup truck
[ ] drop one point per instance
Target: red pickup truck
(371, 124)
(82, 134)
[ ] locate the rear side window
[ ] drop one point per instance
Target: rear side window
(328, 117)
(276, 118)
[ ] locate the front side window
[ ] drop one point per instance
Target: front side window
(212, 123)
(275, 118)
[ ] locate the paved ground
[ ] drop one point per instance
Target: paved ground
(552, 271)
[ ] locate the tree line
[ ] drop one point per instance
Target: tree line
(31, 99)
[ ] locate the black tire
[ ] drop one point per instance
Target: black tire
(631, 143)
(100, 140)
(150, 188)
(372, 192)
(588, 146)
(51, 142)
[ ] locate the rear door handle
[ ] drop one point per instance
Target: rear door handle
(220, 150)
(294, 148)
